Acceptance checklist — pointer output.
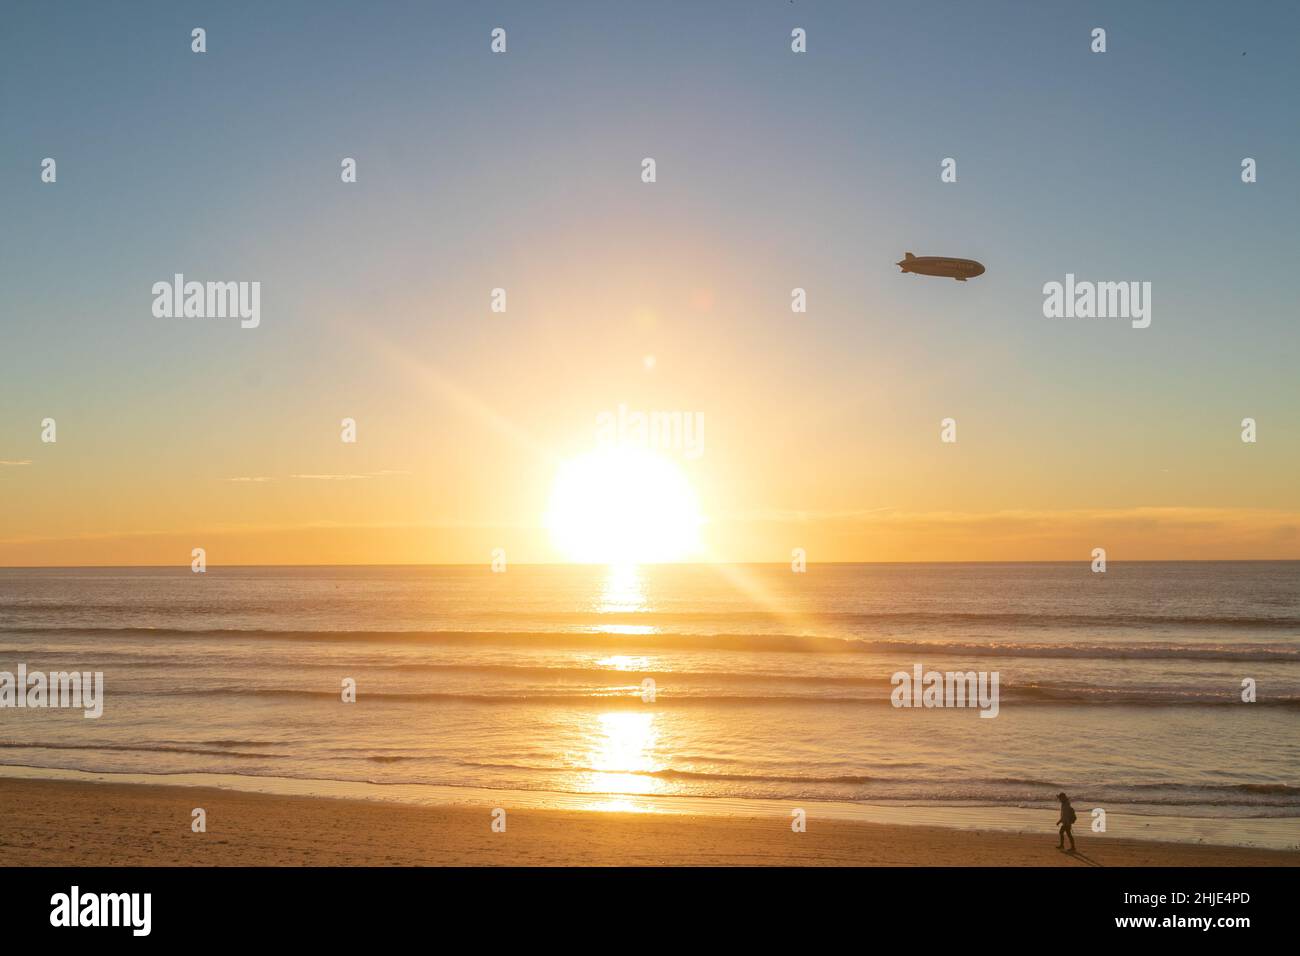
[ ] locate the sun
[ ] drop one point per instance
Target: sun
(623, 506)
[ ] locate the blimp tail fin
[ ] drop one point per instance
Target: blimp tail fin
(908, 255)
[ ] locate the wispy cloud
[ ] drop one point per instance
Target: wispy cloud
(25, 461)
(369, 474)
(1136, 533)
(792, 515)
(259, 479)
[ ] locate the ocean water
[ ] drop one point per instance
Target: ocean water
(1123, 688)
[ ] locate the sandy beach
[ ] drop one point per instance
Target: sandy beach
(60, 823)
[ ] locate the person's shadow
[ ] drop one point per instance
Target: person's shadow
(1082, 858)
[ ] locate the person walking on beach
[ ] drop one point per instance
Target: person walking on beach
(1068, 816)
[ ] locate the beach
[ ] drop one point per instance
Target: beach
(691, 691)
(63, 823)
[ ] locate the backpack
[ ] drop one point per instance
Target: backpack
(1069, 816)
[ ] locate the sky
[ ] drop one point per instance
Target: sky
(523, 171)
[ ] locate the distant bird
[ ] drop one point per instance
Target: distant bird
(959, 269)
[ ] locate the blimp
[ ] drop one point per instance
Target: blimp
(959, 269)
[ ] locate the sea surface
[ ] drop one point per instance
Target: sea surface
(1123, 689)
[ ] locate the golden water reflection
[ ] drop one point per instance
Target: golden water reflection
(623, 741)
(624, 750)
(626, 662)
(622, 593)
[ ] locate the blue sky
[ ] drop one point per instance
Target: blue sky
(775, 170)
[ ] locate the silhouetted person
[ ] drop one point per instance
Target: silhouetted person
(1068, 816)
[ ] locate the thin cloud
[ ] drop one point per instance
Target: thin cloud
(25, 461)
(791, 515)
(259, 479)
(369, 474)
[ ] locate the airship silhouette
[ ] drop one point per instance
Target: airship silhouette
(959, 269)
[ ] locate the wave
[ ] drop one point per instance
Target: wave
(934, 786)
(135, 748)
(1146, 791)
(930, 785)
(930, 618)
(630, 697)
(784, 643)
(1136, 696)
(659, 618)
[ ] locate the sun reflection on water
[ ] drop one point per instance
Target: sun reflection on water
(623, 741)
(624, 750)
(622, 593)
(625, 662)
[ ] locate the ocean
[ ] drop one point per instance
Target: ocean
(771, 689)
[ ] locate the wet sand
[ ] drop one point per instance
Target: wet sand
(62, 823)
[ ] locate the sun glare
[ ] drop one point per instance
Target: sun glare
(624, 753)
(623, 506)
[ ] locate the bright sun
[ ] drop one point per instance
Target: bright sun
(623, 506)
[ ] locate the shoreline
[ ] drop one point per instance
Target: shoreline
(1270, 833)
(66, 822)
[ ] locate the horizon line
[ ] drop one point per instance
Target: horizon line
(647, 564)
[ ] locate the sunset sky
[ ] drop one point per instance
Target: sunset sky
(522, 171)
